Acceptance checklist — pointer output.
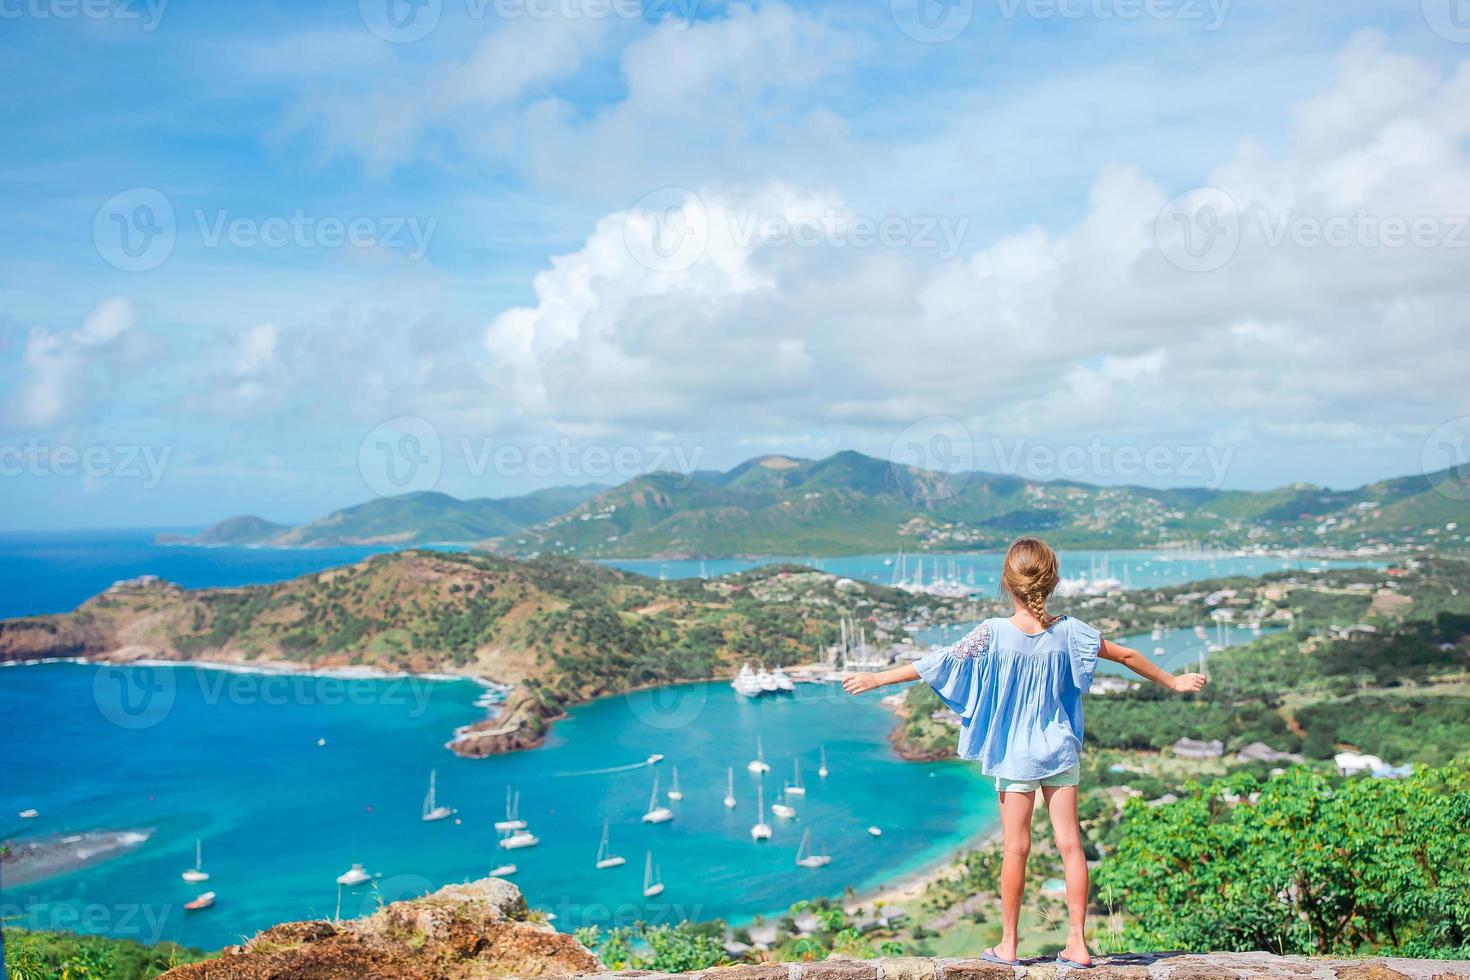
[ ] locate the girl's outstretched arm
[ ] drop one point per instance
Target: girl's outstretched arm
(1147, 669)
(860, 683)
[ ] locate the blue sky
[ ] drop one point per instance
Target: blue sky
(905, 232)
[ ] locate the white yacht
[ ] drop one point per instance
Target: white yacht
(653, 885)
(758, 764)
(196, 873)
(605, 857)
(353, 876)
(783, 682)
(804, 856)
(656, 813)
(795, 788)
(503, 871)
(30, 814)
(512, 819)
(518, 840)
(760, 830)
(822, 770)
(730, 788)
(432, 810)
(1158, 633)
(783, 809)
(745, 683)
(675, 793)
(766, 681)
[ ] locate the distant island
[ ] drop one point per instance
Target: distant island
(849, 503)
(560, 632)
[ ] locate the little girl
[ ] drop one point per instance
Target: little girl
(1017, 685)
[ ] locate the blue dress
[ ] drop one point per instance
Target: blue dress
(1018, 695)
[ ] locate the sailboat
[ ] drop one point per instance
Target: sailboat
(795, 788)
(804, 856)
(783, 809)
(196, 873)
(822, 770)
(758, 764)
(432, 811)
(730, 788)
(605, 858)
(760, 830)
(353, 876)
(674, 793)
(656, 813)
(653, 885)
(512, 819)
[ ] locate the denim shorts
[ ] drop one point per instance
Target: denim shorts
(1067, 777)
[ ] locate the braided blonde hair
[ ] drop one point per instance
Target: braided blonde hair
(1030, 576)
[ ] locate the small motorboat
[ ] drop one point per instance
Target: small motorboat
(29, 814)
(503, 871)
(197, 873)
(353, 876)
(202, 902)
(655, 759)
(876, 831)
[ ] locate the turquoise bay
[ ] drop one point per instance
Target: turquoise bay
(234, 760)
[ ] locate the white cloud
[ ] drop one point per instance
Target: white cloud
(64, 371)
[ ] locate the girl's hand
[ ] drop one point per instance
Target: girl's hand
(1189, 683)
(860, 683)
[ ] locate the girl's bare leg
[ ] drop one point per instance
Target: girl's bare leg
(1015, 819)
(1061, 805)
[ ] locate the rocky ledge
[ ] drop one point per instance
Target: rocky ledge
(1152, 966)
(460, 932)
